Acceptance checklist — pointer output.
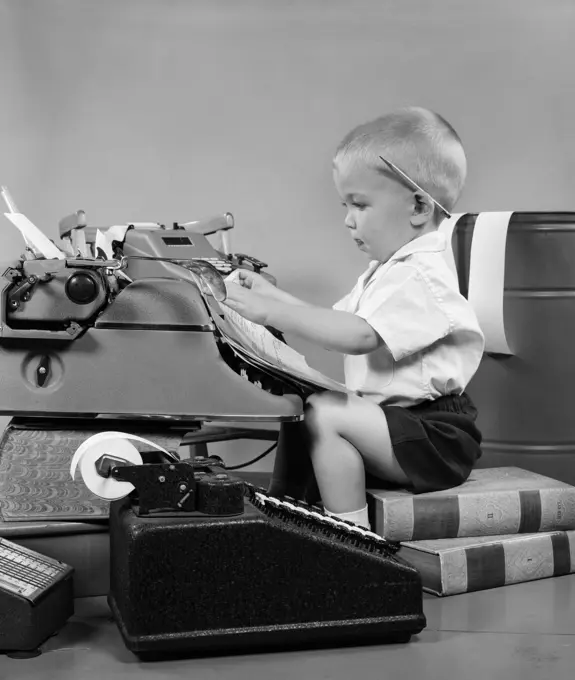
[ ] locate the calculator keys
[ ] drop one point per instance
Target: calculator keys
(26, 572)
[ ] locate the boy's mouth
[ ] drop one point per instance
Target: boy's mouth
(358, 242)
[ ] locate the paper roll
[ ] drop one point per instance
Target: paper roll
(447, 227)
(487, 277)
(117, 444)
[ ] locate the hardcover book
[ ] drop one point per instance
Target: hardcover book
(505, 500)
(459, 565)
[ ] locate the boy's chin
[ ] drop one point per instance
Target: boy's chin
(366, 250)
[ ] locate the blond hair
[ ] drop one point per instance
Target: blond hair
(420, 142)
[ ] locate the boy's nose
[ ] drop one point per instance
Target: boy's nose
(349, 222)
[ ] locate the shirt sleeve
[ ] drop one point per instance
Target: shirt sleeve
(407, 312)
(341, 305)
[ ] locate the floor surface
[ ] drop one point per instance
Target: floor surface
(522, 631)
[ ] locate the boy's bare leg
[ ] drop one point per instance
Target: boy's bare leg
(349, 437)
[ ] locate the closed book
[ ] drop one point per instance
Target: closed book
(459, 565)
(504, 500)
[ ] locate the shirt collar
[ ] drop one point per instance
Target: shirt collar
(432, 242)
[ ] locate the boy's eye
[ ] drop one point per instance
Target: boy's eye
(355, 204)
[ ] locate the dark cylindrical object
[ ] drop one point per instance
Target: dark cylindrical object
(220, 494)
(525, 401)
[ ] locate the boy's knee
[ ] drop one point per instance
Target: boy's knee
(326, 399)
(323, 410)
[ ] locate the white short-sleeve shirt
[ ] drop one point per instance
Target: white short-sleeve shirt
(433, 342)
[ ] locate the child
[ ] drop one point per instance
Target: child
(411, 341)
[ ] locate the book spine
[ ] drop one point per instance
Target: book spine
(557, 509)
(492, 565)
(418, 518)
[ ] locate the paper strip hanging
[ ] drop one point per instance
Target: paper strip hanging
(487, 277)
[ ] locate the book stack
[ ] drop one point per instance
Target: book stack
(503, 525)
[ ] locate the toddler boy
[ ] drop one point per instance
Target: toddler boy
(410, 340)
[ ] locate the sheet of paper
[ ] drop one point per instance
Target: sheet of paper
(116, 233)
(487, 277)
(309, 378)
(67, 246)
(79, 243)
(260, 340)
(32, 235)
(265, 349)
(263, 343)
(102, 243)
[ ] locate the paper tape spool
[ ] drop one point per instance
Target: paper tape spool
(117, 444)
(108, 488)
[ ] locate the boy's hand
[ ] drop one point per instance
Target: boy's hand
(253, 281)
(249, 304)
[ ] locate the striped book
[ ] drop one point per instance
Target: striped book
(459, 565)
(505, 500)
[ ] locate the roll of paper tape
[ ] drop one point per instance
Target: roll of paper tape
(487, 277)
(108, 488)
(117, 444)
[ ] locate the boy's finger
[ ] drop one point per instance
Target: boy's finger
(232, 304)
(245, 278)
(234, 289)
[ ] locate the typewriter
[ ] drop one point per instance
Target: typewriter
(123, 328)
(129, 336)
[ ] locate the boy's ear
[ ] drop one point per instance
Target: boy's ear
(422, 211)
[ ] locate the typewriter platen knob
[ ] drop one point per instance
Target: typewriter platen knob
(82, 288)
(219, 494)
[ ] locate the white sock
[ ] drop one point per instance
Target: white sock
(356, 516)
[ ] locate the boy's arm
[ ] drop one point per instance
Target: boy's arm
(285, 298)
(335, 330)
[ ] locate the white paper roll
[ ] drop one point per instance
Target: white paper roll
(487, 277)
(108, 488)
(117, 444)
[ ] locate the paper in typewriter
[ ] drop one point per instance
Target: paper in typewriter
(256, 343)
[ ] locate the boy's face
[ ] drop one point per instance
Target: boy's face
(378, 209)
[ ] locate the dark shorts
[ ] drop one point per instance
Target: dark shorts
(436, 443)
